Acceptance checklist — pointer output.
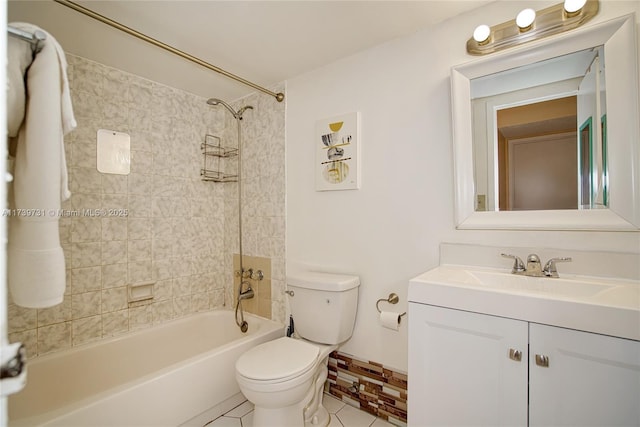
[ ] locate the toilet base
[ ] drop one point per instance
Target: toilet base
(320, 419)
(315, 415)
(290, 417)
(278, 417)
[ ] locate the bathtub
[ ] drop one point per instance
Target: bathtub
(178, 373)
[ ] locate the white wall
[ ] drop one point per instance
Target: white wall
(389, 231)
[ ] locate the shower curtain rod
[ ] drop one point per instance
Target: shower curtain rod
(70, 4)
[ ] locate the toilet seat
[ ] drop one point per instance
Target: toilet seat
(277, 361)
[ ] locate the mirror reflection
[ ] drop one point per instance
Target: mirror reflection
(539, 135)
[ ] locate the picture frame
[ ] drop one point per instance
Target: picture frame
(337, 141)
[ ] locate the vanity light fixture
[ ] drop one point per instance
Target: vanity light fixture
(530, 25)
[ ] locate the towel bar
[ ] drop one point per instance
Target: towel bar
(34, 38)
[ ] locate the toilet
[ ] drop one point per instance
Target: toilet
(284, 378)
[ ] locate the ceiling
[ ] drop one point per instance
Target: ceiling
(265, 42)
(543, 127)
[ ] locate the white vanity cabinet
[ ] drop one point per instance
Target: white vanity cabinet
(459, 370)
(591, 380)
(475, 369)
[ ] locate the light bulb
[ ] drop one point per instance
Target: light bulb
(525, 18)
(573, 6)
(481, 33)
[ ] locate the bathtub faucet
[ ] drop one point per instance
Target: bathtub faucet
(246, 294)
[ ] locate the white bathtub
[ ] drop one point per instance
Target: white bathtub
(178, 373)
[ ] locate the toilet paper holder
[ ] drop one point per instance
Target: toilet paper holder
(392, 299)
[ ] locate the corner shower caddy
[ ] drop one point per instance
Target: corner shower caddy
(213, 154)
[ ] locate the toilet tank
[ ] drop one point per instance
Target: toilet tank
(323, 305)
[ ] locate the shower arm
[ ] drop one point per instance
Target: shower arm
(90, 13)
(236, 114)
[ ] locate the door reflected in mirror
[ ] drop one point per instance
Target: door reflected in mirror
(537, 142)
(585, 144)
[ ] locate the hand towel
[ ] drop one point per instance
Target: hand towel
(36, 266)
(19, 58)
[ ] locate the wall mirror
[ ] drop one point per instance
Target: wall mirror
(582, 87)
(537, 135)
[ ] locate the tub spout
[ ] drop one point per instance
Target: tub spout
(246, 294)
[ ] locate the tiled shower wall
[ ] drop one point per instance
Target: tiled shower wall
(174, 233)
(263, 191)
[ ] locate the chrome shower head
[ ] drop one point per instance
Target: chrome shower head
(216, 101)
(236, 114)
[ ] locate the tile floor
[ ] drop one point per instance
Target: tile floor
(342, 415)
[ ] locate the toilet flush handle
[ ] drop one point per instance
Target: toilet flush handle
(290, 293)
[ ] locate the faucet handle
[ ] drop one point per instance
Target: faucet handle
(550, 269)
(518, 265)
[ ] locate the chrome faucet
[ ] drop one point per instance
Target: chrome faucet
(534, 267)
(246, 294)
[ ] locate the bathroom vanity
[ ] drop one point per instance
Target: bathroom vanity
(487, 347)
(493, 348)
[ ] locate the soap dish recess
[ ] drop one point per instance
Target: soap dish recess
(141, 291)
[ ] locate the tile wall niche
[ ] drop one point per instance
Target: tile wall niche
(369, 386)
(174, 231)
(263, 188)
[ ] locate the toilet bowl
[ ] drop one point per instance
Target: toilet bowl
(281, 378)
(284, 378)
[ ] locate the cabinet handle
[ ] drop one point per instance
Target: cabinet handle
(515, 355)
(542, 360)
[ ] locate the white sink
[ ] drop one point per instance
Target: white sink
(621, 295)
(543, 286)
(571, 287)
(592, 304)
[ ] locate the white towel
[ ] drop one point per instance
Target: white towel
(19, 58)
(36, 267)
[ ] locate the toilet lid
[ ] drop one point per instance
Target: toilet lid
(277, 360)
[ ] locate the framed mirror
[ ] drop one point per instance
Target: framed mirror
(601, 146)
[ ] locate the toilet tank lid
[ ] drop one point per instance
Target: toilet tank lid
(323, 281)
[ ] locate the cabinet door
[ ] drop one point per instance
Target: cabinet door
(591, 380)
(460, 369)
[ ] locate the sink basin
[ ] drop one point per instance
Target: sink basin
(551, 287)
(501, 281)
(621, 296)
(608, 306)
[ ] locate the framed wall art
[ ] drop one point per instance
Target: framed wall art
(337, 143)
